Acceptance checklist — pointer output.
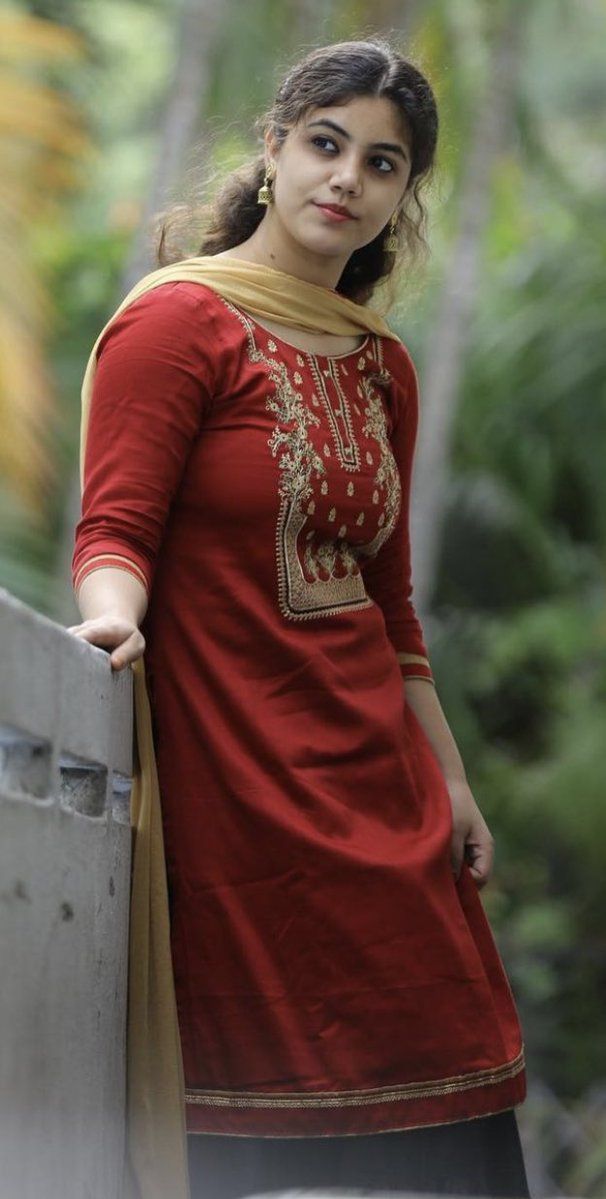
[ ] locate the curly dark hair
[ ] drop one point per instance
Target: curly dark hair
(327, 76)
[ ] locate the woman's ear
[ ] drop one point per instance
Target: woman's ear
(271, 148)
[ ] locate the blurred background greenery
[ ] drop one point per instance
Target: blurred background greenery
(113, 108)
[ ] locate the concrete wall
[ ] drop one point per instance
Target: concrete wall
(65, 844)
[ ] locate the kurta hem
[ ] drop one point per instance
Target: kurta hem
(413, 1105)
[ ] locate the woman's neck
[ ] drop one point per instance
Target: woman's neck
(266, 249)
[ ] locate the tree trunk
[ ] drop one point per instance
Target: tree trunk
(197, 36)
(451, 329)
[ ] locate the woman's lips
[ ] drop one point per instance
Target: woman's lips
(335, 216)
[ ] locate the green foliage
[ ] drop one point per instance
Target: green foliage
(520, 640)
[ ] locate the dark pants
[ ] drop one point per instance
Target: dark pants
(475, 1157)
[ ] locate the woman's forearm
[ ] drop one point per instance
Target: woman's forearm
(112, 591)
(423, 700)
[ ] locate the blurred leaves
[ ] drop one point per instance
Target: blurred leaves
(42, 147)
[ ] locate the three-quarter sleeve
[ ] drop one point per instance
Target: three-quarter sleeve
(153, 384)
(388, 576)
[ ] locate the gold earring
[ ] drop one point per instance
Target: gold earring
(391, 241)
(265, 194)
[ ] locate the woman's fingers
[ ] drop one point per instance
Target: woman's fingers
(477, 850)
(129, 651)
(479, 855)
(98, 636)
(123, 641)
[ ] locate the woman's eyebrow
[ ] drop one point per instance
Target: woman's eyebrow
(395, 149)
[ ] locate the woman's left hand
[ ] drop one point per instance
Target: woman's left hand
(472, 840)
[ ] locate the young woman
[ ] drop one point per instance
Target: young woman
(344, 1016)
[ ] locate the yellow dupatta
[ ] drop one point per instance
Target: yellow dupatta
(155, 1164)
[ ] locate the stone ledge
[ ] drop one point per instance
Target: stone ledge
(65, 777)
(66, 723)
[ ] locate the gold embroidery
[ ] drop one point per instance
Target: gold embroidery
(373, 1095)
(324, 589)
(402, 657)
(339, 417)
(388, 475)
(323, 577)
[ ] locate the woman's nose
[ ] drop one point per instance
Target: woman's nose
(347, 174)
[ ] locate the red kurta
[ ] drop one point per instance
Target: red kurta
(332, 977)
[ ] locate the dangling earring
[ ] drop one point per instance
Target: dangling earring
(391, 241)
(265, 194)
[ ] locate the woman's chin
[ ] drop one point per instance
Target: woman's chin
(325, 246)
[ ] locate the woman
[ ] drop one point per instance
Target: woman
(245, 523)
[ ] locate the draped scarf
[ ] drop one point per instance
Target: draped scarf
(155, 1159)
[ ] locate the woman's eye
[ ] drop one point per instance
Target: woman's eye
(324, 142)
(319, 138)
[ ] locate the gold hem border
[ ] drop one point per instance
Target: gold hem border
(320, 1099)
(371, 1132)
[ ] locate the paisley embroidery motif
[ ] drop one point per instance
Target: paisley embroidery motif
(387, 476)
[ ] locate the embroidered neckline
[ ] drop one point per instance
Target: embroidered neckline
(310, 354)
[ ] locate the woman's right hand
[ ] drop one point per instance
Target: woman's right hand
(116, 634)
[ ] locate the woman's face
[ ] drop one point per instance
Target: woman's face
(357, 155)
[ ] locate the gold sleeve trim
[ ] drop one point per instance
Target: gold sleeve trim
(417, 658)
(105, 559)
